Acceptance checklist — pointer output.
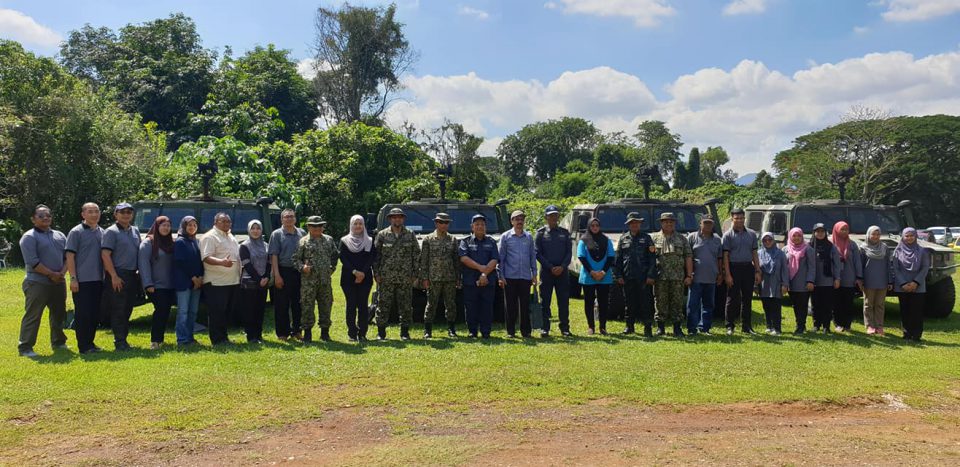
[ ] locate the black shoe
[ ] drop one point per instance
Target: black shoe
(799, 332)
(750, 332)
(661, 330)
(544, 334)
(486, 336)
(566, 333)
(307, 336)
(512, 335)
(647, 330)
(427, 331)
(121, 346)
(404, 333)
(451, 330)
(361, 338)
(325, 334)
(603, 331)
(473, 335)
(677, 331)
(382, 334)
(352, 339)
(628, 330)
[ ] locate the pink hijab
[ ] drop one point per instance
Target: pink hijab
(841, 242)
(795, 253)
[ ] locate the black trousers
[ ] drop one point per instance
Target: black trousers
(911, 314)
(596, 293)
(163, 300)
(843, 310)
(253, 304)
(636, 295)
(517, 292)
(120, 303)
(358, 313)
(220, 301)
(286, 303)
(773, 312)
(740, 296)
(86, 304)
(822, 301)
(801, 302)
(548, 284)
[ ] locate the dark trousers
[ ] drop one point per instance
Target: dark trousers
(37, 297)
(163, 300)
(478, 307)
(822, 301)
(548, 284)
(843, 306)
(911, 314)
(286, 303)
(517, 292)
(800, 301)
(86, 304)
(120, 303)
(700, 303)
(358, 313)
(636, 295)
(599, 293)
(740, 296)
(773, 312)
(253, 303)
(219, 300)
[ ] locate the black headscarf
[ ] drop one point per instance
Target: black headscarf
(824, 249)
(596, 243)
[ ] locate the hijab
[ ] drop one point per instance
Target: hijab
(909, 256)
(160, 242)
(795, 253)
(183, 227)
(842, 242)
(823, 248)
(596, 242)
(769, 256)
(257, 248)
(357, 242)
(875, 250)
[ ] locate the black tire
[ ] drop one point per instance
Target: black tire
(575, 290)
(940, 298)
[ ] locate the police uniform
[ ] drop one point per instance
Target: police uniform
(554, 249)
(440, 265)
(396, 266)
(672, 254)
(321, 255)
(478, 300)
(636, 262)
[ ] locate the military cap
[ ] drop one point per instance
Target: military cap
(122, 206)
(396, 212)
(442, 217)
(633, 216)
(551, 209)
(316, 220)
(668, 216)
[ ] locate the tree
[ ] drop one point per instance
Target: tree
(547, 147)
(360, 54)
(451, 145)
(694, 176)
(711, 166)
(680, 176)
(763, 180)
(658, 146)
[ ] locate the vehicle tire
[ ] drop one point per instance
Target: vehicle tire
(575, 290)
(940, 298)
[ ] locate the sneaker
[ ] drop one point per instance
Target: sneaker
(473, 335)
(512, 335)
(451, 333)
(705, 332)
(774, 332)
(544, 334)
(603, 332)
(121, 346)
(750, 332)
(29, 354)
(871, 331)
(839, 329)
(729, 331)
(566, 333)
(628, 331)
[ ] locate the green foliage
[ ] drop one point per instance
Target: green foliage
(711, 166)
(547, 147)
(452, 145)
(658, 146)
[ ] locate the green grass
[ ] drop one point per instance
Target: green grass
(208, 395)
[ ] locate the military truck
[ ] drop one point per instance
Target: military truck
(780, 218)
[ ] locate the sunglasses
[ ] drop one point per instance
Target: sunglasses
(442, 222)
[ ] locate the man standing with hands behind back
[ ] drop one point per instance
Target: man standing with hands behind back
(741, 263)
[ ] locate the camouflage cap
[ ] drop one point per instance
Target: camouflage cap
(316, 220)
(442, 217)
(396, 212)
(634, 217)
(668, 216)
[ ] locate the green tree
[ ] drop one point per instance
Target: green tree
(711, 166)
(763, 180)
(547, 147)
(680, 175)
(694, 175)
(451, 145)
(658, 146)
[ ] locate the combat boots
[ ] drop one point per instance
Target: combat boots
(307, 336)
(427, 330)
(647, 330)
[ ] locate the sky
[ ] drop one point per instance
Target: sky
(748, 75)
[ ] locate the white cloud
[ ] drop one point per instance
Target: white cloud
(860, 30)
(745, 7)
(751, 110)
(22, 28)
(919, 10)
(308, 69)
(644, 13)
(473, 12)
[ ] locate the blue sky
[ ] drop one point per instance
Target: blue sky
(749, 75)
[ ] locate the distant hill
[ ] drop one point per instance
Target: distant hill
(746, 179)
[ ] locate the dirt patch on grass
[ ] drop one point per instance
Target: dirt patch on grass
(881, 431)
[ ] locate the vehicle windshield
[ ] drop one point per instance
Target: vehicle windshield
(954, 231)
(612, 218)
(937, 231)
(239, 215)
(859, 218)
(420, 218)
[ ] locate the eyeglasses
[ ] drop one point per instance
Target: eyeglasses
(43, 216)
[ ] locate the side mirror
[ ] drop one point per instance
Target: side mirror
(502, 202)
(264, 201)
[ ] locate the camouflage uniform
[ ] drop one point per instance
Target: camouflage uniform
(396, 266)
(321, 254)
(672, 253)
(440, 265)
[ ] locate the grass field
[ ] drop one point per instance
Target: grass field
(207, 396)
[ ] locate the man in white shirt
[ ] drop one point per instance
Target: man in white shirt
(221, 275)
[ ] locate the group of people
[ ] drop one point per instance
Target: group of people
(666, 278)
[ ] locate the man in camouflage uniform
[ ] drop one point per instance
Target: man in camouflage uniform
(675, 270)
(440, 275)
(395, 271)
(316, 258)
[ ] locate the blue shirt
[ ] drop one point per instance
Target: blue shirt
(44, 247)
(481, 251)
(518, 256)
(124, 245)
(84, 242)
(706, 252)
(771, 283)
(585, 277)
(823, 280)
(553, 248)
(852, 268)
(283, 244)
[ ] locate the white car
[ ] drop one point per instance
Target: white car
(941, 235)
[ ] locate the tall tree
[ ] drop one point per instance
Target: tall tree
(452, 145)
(694, 177)
(680, 176)
(547, 147)
(711, 166)
(658, 146)
(360, 54)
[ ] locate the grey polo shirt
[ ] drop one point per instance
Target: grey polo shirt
(84, 242)
(283, 244)
(741, 245)
(706, 252)
(124, 245)
(155, 272)
(44, 247)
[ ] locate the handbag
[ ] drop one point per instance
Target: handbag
(536, 312)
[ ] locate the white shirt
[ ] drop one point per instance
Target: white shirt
(219, 244)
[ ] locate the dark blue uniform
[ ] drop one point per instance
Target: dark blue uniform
(636, 262)
(554, 249)
(478, 301)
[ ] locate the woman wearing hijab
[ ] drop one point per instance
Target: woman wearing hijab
(802, 268)
(187, 278)
(875, 257)
(596, 255)
(851, 277)
(155, 262)
(827, 278)
(910, 266)
(254, 281)
(356, 276)
(774, 281)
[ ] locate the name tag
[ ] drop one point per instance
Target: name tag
(472, 247)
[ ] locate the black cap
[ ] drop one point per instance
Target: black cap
(736, 211)
(818, 226)
(478, 216)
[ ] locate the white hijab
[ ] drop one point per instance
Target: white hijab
(357, 242)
